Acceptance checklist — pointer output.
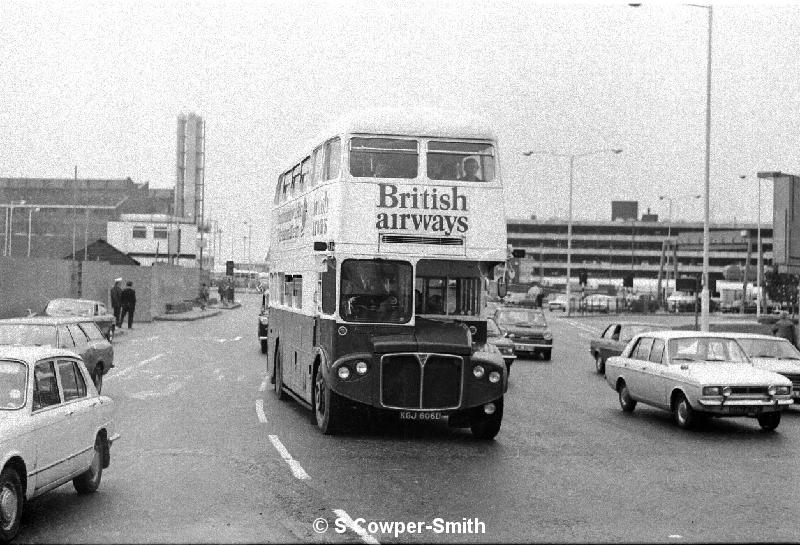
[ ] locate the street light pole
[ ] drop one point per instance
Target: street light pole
(30, 223)
(704, 294)
(572, 157)
(759, 265)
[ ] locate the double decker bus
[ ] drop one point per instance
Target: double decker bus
(385, 234)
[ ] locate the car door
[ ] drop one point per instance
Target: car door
(637, 368)
(103, 350)
(655, 381)
(79, 408)
(83, 347)
(610, 344)
(50, 426)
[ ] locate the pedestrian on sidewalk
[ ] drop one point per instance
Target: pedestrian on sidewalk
(203, 296)
(229, 290)
(221, 291)
(116, 300)
(128, 299)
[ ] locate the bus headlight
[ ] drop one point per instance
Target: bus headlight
(478, 371)
(494, 377)
(361, 367)
(344, 372)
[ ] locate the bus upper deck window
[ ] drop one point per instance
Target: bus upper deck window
(333, 159)
(384, 158)
(464, 161)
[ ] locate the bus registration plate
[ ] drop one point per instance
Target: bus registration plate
(421, 415)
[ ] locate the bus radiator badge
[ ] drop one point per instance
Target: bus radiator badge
(342, 330)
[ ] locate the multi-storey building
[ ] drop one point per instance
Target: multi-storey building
(608, 250)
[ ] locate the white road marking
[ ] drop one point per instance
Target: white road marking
(239, 338)
(294, 465)
(138, 365)
(171, 389)
(260, 411)
(351, 524)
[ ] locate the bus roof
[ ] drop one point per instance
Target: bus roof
(423, 122)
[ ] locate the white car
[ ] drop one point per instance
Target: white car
(774, 354)
(691, 373)
(54, 426)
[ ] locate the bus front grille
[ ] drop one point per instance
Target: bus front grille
(421, 381)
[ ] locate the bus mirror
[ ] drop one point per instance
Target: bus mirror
(320, 246)
(518, 253)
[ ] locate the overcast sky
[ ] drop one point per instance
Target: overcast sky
(99, 85)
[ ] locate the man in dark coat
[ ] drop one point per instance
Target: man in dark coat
(128, 299)
(116, 301)
(784, 327)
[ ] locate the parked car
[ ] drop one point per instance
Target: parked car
(692, 374)
(681, 302)
(527, 328)
(774, 354)
(83, 307)
(557, 302)
(731, 326)
(263, 322)
(55, 427)
(599, 302)
(614, 339)
(80, 335)
(505, 345)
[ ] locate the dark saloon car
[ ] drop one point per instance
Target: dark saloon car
(95, 310)
(527, 328)
(78, 335)
(505, 345)
(614, 338)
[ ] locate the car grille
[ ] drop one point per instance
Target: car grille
(421, 381)
(528, 338)
(749, 390)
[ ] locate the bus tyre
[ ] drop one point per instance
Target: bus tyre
(279, 393)
(327, 405)
(487, 426)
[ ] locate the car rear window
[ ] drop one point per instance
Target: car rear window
(92, 331)
(13, 376)
(28, 334)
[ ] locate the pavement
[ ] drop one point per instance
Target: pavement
(195, 313)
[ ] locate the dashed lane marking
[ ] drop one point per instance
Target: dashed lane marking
(260, 411)
(171, 389)
(294, 465)
(351, 524)
(142, 363)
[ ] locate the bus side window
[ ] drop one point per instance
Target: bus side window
(316, 166)
(333, 156)
(328, 282)
(297, 291)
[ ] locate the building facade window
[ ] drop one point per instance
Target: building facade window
(160, 232)
(139, 231)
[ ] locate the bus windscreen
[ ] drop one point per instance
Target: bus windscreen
(376, 291)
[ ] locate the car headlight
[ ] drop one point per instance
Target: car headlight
(727, 391)
(478, 371)
(510, 335)
(344, 372)
(783, 390)
(712, 390)
(494, 377)
(548, 335)
(361, 367)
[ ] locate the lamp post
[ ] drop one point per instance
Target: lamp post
(10, 232)
(704, 295)
(30, 223)
(572, 157)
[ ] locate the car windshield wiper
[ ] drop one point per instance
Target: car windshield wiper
(789, 358)
(715, 359)
(681, 358)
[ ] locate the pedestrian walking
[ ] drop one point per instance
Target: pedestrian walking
(221, 291)
(784, 327)
(128, 299)
(229, 290)
(116, 300)
(203, 296)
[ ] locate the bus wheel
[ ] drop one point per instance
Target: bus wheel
(279, 393)
(487, 426)
(327, 410)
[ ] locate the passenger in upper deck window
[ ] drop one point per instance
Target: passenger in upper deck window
(471, 168)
